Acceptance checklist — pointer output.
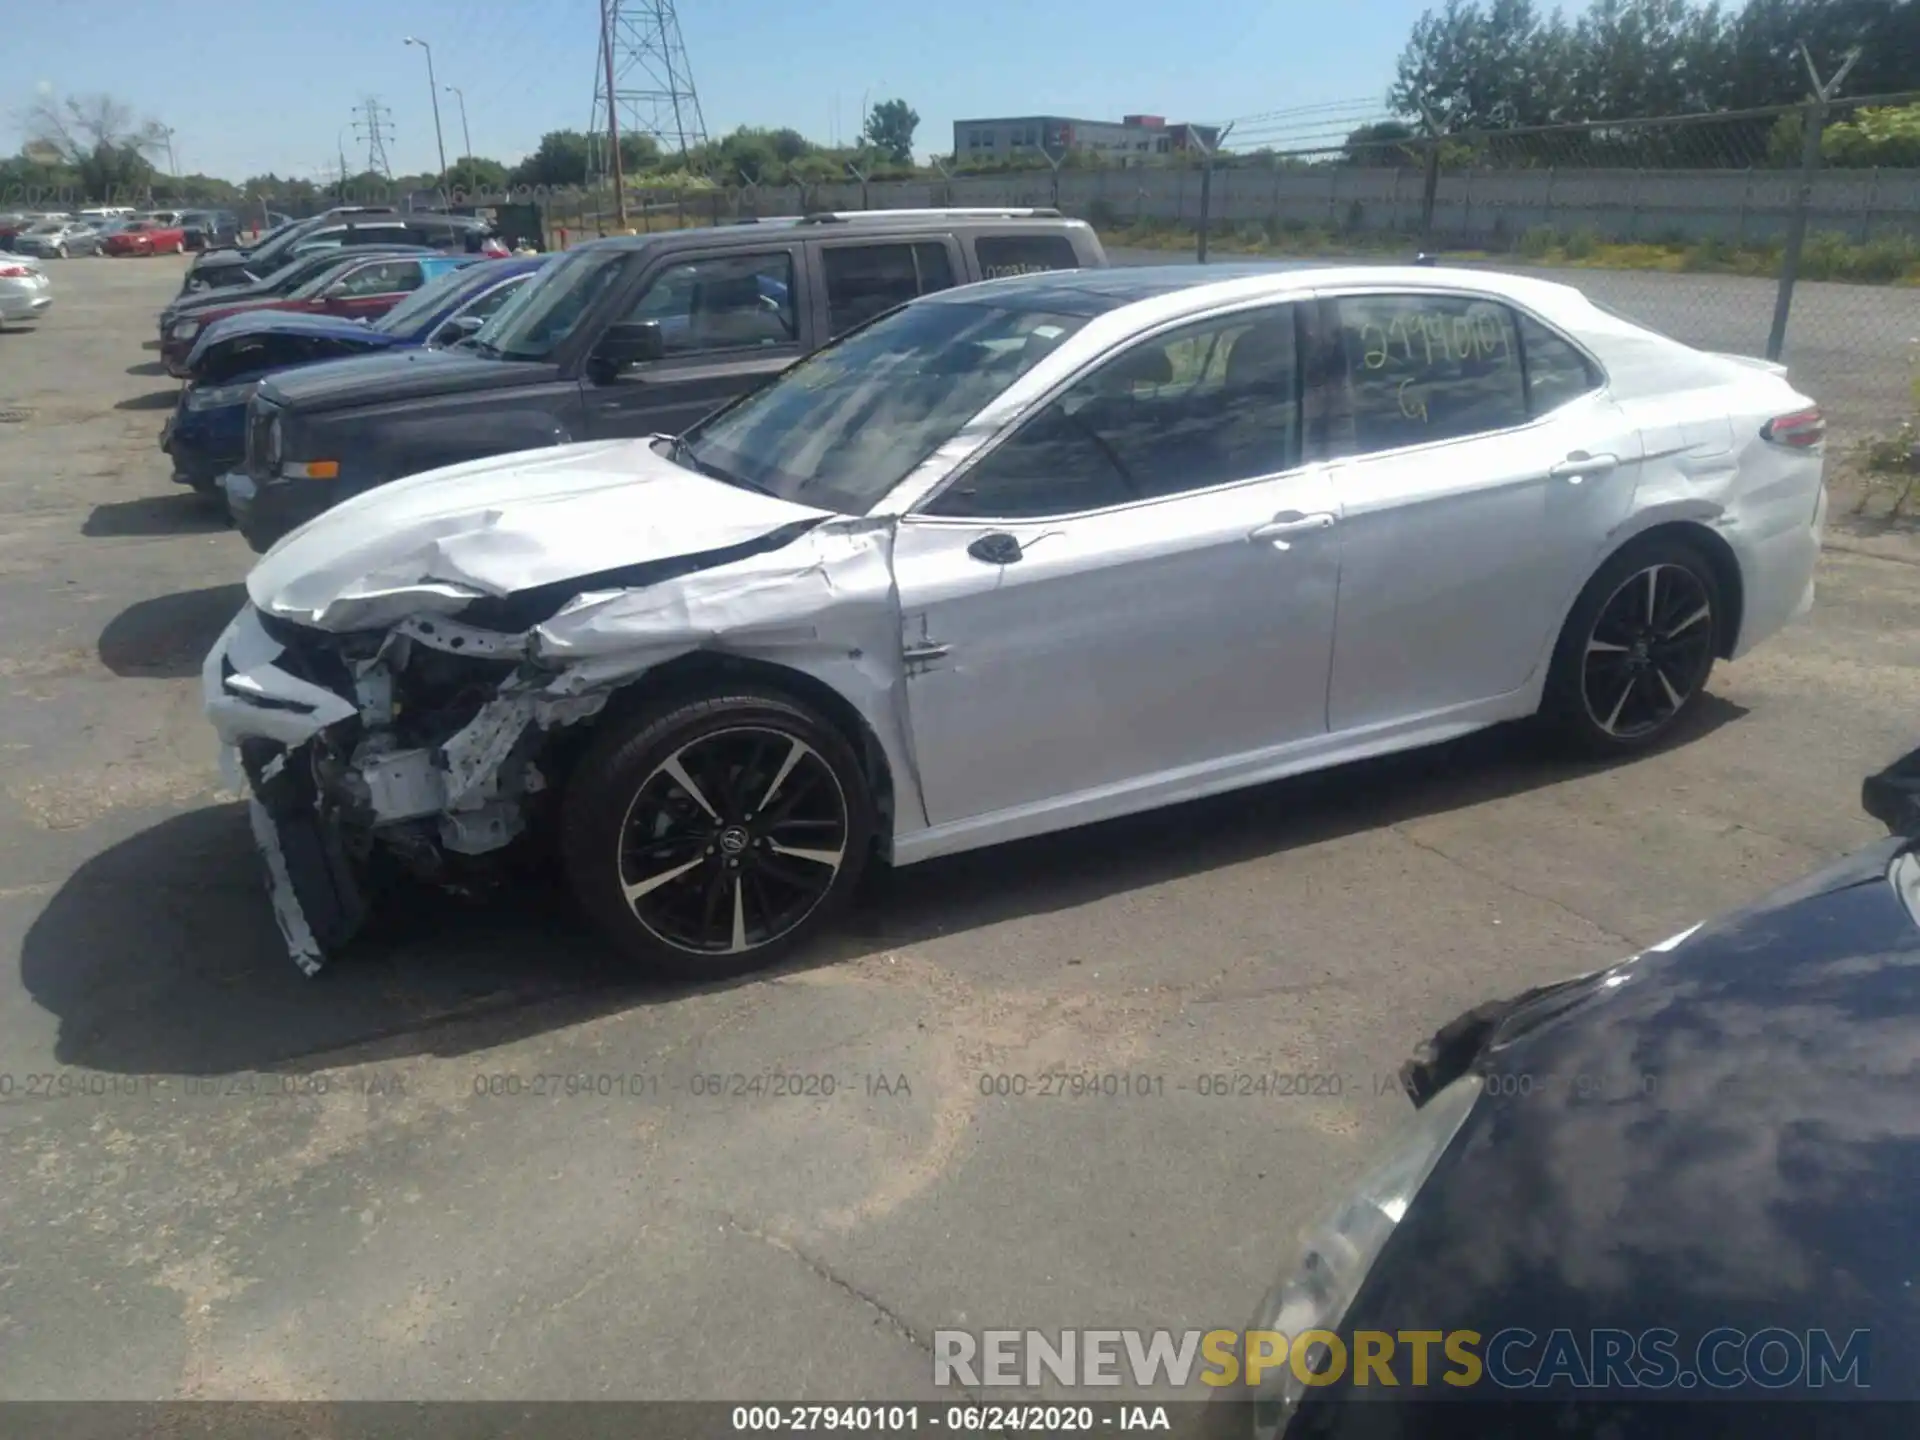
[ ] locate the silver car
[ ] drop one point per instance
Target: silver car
(57, 239)
(25, 291)
(1011, 558)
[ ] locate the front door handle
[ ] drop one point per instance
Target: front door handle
(1291, 522)
(1580, 464)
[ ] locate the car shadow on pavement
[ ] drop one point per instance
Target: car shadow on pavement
(186, 513)
(150, 367)
(152, 400)
(160, 955)
(169, 636)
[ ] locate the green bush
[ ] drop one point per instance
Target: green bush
(1539, 241)
(1581, 245)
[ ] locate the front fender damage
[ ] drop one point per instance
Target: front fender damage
(823, 605)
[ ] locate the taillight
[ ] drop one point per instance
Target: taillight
(1802, 430)
(14, 272)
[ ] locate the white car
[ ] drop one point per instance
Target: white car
(1009, 559)
(25, 291)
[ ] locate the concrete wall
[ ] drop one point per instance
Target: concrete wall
(1732, 205)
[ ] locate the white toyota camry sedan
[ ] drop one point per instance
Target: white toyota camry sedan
(1009, 559)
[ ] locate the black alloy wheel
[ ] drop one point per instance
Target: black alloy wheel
(710, 839)
(1648, 652)
(1637, 650)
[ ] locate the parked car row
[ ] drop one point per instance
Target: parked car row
(94, 232)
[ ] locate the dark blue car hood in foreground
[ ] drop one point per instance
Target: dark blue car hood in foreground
(1723, 1135)
(289, 322)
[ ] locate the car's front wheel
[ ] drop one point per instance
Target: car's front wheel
(1635, 654)
(709, 836)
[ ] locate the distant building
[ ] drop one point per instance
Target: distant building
(1133, 139)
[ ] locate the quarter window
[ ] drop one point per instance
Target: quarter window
(729, 302)
(1413, 369)
(1023, 254)
(1556, 371)
(1201, 406)
(866, 280)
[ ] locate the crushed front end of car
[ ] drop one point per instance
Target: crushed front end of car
(396, 711)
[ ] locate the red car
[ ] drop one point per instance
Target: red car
(361, 288)
(146, 236)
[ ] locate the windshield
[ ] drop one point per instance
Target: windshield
(544, 311)
(48, 227)
(841, 429)
(408, 314)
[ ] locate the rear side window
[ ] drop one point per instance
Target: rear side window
(1023, 254)
(867, 280)
(1556, 370)
(484, 307)
(1413, 369)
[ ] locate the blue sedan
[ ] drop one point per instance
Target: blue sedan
(206, 435)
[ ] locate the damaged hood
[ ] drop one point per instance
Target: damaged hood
(435, 542)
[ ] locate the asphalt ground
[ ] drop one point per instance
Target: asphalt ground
(220, 1179)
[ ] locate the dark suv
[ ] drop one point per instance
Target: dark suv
(336, 228)
(632, 336)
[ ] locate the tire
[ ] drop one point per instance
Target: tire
(732, 893)
(1617, 673)
(61, 251)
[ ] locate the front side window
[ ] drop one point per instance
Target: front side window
(1413, 369)
(532, 325)
(723, 302)
(384, 278)
(844, 426)
(868, 280)
(1204, 405)
(1023, 254)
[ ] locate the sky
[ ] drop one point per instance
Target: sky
(271, 85)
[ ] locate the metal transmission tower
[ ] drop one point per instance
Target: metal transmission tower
(374, 125)
(651, 81)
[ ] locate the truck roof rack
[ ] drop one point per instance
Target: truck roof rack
(995, 212)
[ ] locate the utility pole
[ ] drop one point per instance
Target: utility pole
(613, 117)
(433, 91)
(173, 165)
(1813, 121)
(465, 138)
(340, 144)
(378, 125)
(646, 71)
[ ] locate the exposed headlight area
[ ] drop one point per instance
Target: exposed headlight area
(210, 397)
(1338, 1253)
(184, 329)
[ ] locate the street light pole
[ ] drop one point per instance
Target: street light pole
(465, 138)
(433, 91)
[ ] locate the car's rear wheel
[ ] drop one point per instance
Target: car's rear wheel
(1635, 654)
(709, 837)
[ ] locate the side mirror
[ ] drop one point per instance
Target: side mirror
(629, 342)
(335, 290)
(461, 327)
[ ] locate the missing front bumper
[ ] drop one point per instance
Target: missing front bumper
(317, 888)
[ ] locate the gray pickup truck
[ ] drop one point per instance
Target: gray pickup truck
(631, 336)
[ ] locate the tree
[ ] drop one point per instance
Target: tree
(560, 159)
(1381, 145)
(889, 129)
(97, 138)
(475, 174)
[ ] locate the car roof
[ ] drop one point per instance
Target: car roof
(840, 226)
(1172, 291)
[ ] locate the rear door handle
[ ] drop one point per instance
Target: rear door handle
(1580, 464)
(1291, 522)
